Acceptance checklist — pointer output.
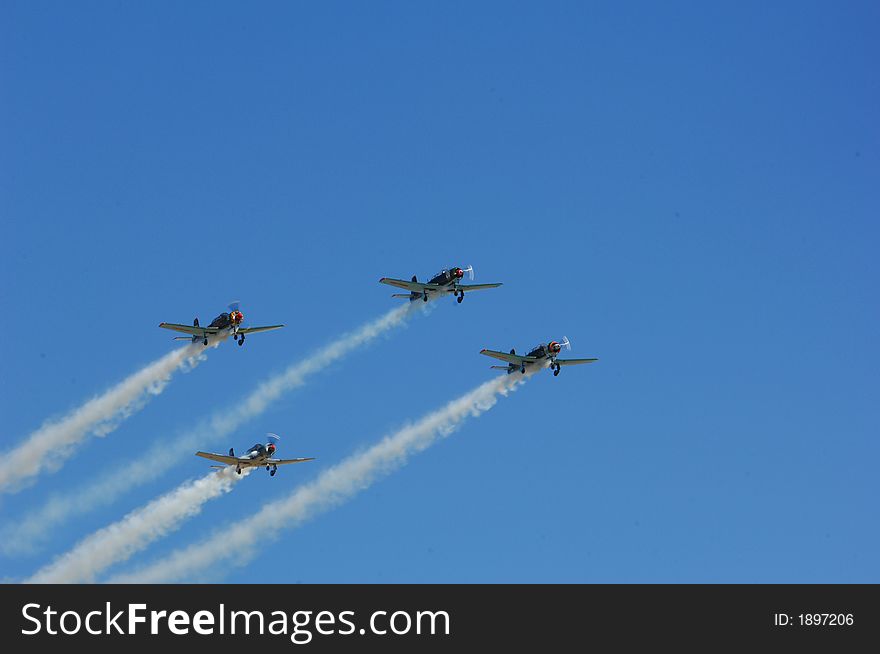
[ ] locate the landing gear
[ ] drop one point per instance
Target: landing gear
(460, 296)
(205, 341)
(522, 369)
(238, 469)
(425, 296)
(556, 368)
(273, 471)
(241, 340)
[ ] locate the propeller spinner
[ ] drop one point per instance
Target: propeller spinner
(555, 347)
(235, 312)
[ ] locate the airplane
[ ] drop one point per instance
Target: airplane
(542, 355)
(259, 455)
(230, 322)
(444, 282)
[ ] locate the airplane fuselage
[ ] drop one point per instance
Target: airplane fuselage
(445, 278)
(222, 321)
(225, 321)
(448, 281)
(258, 456)
(230, 321)
(545, 354)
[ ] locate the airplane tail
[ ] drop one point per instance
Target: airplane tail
(409, 296)
(196, 322)
(231, 451)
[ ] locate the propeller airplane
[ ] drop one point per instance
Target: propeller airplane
(443, 283)
(542, 356)
(257, 456)
(225, 323)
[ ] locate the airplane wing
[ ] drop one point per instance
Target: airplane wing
(477, 287)
(574, 362)
(221, 458)
(189, 329)
(254, 330)
(510, 358)
(416, 287)
(281, 462)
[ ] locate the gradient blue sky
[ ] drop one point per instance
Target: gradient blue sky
(689, 192)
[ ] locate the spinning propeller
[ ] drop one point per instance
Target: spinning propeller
(555, 347)
(470, 271)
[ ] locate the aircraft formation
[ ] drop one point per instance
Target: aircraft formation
(446, 282)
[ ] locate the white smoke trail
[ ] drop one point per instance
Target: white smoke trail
(331, 488)
(119, 541)
(46, 449)
(23, 535)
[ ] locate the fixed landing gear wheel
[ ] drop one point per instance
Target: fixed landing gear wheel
(460, 297)
(238, 469)
(273, 471)
(522, 370)
(556, 371)
(425, 297)
(205, 341)
(240, 342)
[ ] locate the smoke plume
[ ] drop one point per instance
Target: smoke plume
(332, 487)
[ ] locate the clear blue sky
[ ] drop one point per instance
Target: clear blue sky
(689, 192)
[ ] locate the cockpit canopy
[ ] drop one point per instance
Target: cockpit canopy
(449, 273)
